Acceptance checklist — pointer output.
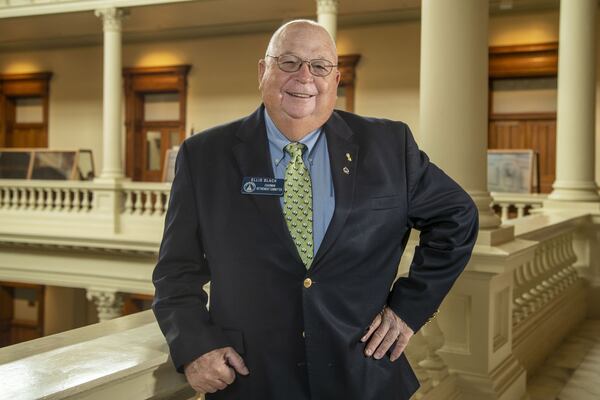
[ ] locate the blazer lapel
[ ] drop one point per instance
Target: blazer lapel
(343, 158)
(253, 158)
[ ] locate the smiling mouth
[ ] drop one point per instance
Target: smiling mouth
(301, 95)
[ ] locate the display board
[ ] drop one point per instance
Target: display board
(46, 164)
(169, 165)
(514, 171)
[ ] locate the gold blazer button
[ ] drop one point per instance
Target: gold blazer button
(307, 283)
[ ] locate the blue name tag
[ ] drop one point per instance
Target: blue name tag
(264, 186)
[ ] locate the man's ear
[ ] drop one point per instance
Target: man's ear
(261, 71)
(338, 76)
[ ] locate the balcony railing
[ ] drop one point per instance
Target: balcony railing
(516, 205)
(538, 293)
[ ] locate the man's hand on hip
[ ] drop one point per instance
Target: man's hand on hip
(215, 370)
(386, 329)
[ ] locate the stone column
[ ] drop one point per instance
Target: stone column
(112, 167)
(475, 317)
(109, 303)
(327, 15)
(454, 95)
(575, 118)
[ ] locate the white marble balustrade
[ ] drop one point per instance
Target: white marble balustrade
(50, 196)
(521, 203)
(538, 282)
(548, 293)
(143, 198)
(124, 211)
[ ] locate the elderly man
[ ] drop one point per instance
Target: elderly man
(298, 216)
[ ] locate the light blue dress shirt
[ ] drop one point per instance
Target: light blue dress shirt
(316, 159)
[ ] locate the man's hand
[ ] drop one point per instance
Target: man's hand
(215, 370)
(385, 329)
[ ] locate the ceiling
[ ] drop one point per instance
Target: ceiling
(212, 17)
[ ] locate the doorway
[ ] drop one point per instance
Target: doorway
(24, 110)
(155, 105)
(522, 103)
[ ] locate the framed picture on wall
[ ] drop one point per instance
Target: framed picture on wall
(514, 171)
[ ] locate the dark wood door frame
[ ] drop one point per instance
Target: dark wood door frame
(347, 67)
(13, 86)
(139, 82)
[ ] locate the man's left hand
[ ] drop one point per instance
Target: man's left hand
(386, 329)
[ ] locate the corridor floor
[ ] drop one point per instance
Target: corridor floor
(573, 371)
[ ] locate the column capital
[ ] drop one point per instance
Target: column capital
(108, 302)
(111, 18)
(327, 6)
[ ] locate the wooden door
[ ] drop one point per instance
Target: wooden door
(155, 107)
(15, 327)
(30, 132)
(24, 110)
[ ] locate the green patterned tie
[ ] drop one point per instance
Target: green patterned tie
(297, 203)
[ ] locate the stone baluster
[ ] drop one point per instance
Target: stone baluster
(14, 199)
(76, 200)
(57, 202)
(158, 205)
(416, 351)
(433, 363)
(85, 200)
(67, 199)
(148, 202)
(520, 210)
(128, 202)
(32, 198)
(3, 197)
(519, 303)
(23, 198)
(138, 206)
(504, 211)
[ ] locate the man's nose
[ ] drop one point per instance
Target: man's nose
(304, 74)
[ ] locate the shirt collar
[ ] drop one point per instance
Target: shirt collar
(277, 141)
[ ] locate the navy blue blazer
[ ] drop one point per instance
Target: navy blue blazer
(299, 330)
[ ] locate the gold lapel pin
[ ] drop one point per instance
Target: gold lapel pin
(348, 157)
(346, 170)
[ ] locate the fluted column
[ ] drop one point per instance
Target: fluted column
(454, 95)
(112, 167)
(575, 141)
(327, 15)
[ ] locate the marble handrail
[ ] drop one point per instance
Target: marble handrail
(123, 358)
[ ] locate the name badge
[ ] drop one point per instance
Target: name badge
(262, 186)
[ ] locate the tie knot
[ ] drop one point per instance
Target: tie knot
(295, 149)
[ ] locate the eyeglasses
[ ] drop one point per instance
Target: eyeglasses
(292, 63)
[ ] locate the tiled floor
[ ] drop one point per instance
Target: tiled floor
(573, 371)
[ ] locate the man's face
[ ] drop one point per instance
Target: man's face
(300, 96)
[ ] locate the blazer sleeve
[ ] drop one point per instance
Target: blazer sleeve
(447, 220)
(179, 300)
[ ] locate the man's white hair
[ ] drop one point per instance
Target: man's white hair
(274, 42)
